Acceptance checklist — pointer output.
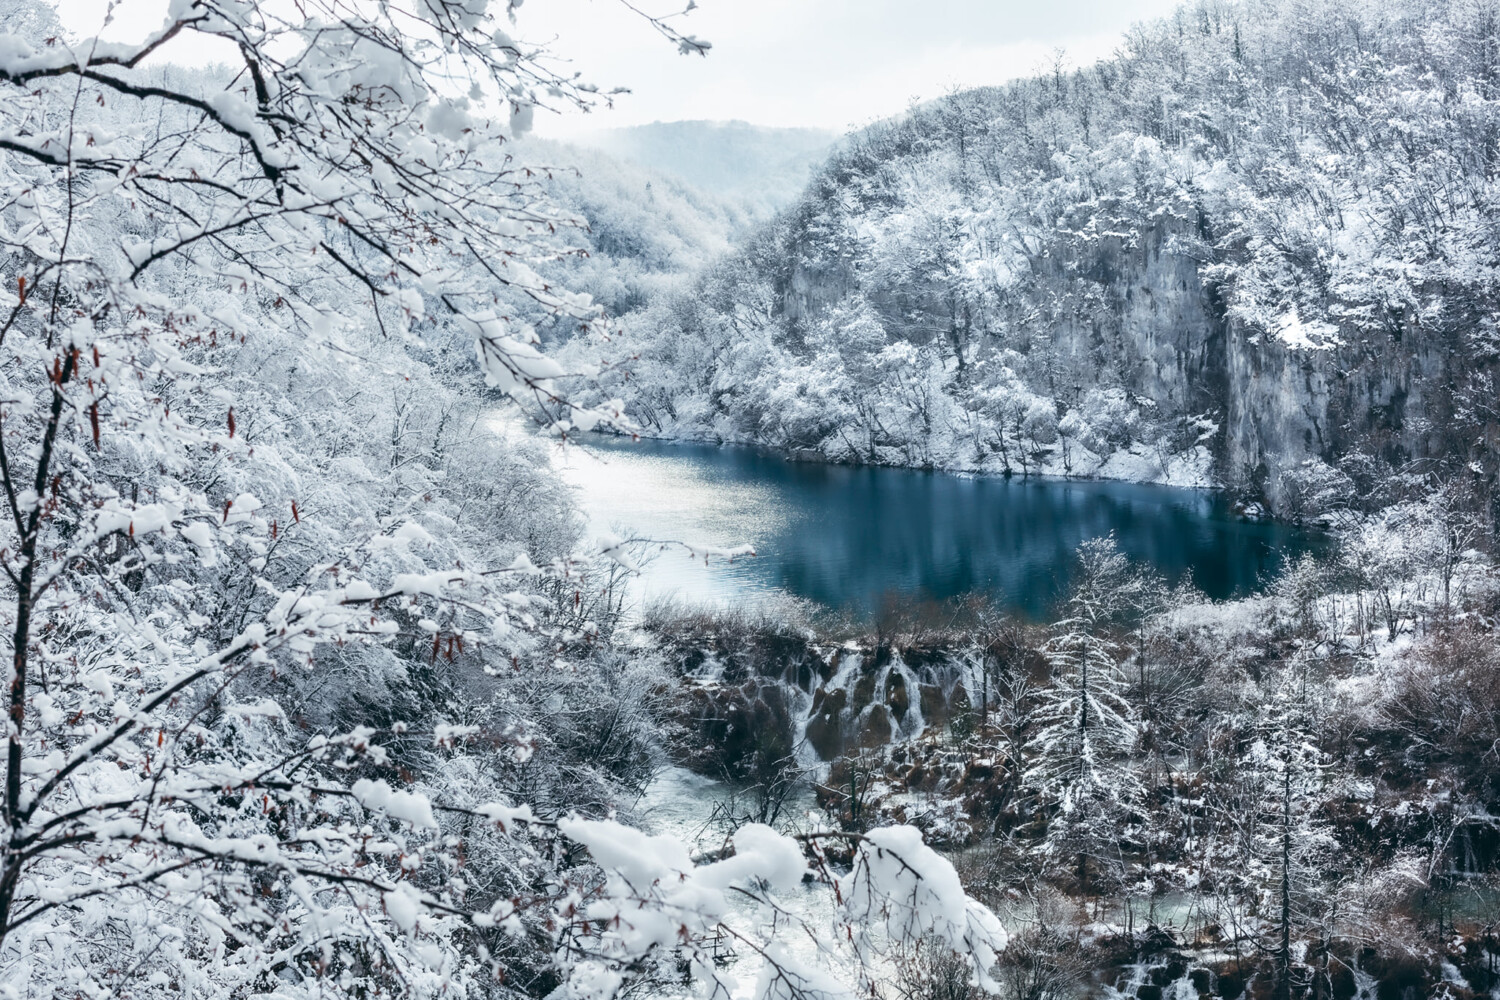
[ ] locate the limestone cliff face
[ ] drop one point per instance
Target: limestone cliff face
(1136, 307)
(1146, 309)
(809, 287)
(1140, 309)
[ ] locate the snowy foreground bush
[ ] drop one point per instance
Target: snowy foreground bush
(255, 525)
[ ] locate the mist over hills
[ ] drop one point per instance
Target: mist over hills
(764, 167)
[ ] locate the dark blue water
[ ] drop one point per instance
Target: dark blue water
(862, 537)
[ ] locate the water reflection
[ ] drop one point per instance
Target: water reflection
(850, 536)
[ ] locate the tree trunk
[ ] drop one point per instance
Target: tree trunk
(1284, 978)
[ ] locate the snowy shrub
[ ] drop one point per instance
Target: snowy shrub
(1313, 491)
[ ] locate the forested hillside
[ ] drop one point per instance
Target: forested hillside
(1255, 248)
(641, 230)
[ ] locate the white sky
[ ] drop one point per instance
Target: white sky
(827, 63)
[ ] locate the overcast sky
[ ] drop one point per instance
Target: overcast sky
(829, 63)
(826, 63)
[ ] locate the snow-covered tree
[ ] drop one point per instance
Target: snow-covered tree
(1290, 844)
(1089, 726)
(246, 504)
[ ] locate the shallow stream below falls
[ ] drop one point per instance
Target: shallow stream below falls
(858, 537)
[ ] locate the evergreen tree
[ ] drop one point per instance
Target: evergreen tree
(1088, 727)
(1290, 842)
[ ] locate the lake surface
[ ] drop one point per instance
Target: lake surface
(860, 537)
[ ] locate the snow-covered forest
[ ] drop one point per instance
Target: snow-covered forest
(1253, 249)
(320, 686)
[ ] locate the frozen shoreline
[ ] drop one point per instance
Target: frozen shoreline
(1191, 469)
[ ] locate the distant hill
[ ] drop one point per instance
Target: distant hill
(765, 168)
(647, 230)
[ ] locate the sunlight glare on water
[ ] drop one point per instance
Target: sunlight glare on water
(664, 495)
